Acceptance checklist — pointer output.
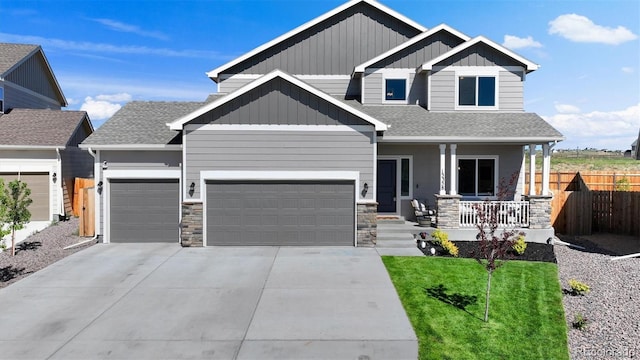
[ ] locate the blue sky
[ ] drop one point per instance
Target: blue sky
(105, 53)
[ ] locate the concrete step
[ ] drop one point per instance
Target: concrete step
(407, 244)
(396, 235)
(391, 220)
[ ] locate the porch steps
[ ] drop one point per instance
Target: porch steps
(397, 234)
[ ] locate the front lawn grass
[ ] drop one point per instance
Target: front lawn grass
(444, 299)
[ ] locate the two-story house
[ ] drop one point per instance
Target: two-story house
(38, 140)
(316, 133)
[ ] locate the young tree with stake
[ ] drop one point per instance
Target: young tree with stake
(15, 201)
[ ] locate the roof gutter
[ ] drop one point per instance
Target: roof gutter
(468, 139)
(139, 147)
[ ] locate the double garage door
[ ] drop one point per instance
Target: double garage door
(38, 183)
(238, 213)
(308, 213)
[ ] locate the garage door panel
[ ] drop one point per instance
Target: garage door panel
(38, 183)
(144, 210)
(280, 213)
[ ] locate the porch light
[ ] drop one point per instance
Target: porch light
(100, 187)
(365, 189)
(192, 188)
(54, 177)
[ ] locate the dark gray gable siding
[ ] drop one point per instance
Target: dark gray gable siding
(420, 52)
(479, 55)
(332, 47)
(279, 102)
(34, 75)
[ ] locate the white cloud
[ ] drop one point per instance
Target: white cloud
(514, 42)
(122, 27)
(567, 109)
(628, 70)
(598, 129)
(109, 48)
(104, 106)
(579, 28)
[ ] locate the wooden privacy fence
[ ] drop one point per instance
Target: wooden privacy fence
(585, 212)
(593, 180)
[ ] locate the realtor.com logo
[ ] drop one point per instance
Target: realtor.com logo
(608, 353)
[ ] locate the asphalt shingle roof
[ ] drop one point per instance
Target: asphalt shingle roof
(11, 54)
(416, 121)
(39, 127)
(144, 122)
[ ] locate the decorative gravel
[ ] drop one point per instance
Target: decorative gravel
(39, 251)
(612, 307)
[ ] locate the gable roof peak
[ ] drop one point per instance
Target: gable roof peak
(425, 34)
(529, 65)
(179, 123)
(215, 73)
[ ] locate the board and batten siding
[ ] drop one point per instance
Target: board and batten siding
(34, 75)
(332, 47)
(417, 54)
(479, 55)
(339, 86)
(16, 97)
(268, 150)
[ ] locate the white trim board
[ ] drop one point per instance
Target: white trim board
(278, 127)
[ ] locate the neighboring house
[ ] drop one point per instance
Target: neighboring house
(315, 133)
(635, 151)
(38, 141)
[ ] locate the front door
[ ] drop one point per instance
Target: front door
(386, 186)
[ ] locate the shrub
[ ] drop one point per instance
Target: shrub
(578, 287)
(449, 247)
(439, 236)
(579, 322)
(519, 246)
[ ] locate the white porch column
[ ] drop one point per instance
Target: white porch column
(443, 159)
(532, 169)
(546, 165)
(454, 170)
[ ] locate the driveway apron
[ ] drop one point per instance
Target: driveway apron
(158, 301)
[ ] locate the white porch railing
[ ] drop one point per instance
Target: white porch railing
(509, 213)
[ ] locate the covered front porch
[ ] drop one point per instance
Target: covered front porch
(459, 179)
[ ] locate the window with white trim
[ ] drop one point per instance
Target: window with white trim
(477, 176)
(476, 91)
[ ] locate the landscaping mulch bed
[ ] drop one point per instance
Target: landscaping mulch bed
(40, 250)
(534, 251)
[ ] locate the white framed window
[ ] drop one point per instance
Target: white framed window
(478, 176)
(476, 89)
(395, 86)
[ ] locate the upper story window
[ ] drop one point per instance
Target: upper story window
(476, 91)
(395, 89)
(476, 88)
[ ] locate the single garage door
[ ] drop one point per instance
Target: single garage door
(38, 183)
(144, 210)
(309, 213)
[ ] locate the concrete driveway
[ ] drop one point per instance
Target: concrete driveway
(158, 301)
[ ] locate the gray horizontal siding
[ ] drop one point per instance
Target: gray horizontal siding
(372, 92)
(511, 87)
(278, 151)
(232, 84)
(443, 91)
(479, 55)
(334, 46)
(141, 160)
(279, 102)
(420, 52)
(16, 98)
(34, 75)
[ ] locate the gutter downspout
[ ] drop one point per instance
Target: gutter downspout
(96, 165)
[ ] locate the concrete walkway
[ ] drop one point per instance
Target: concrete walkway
(158, 301)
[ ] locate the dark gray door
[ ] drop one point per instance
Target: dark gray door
(38, 183)
(309, 213)
(386, 194)
(144, 210)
